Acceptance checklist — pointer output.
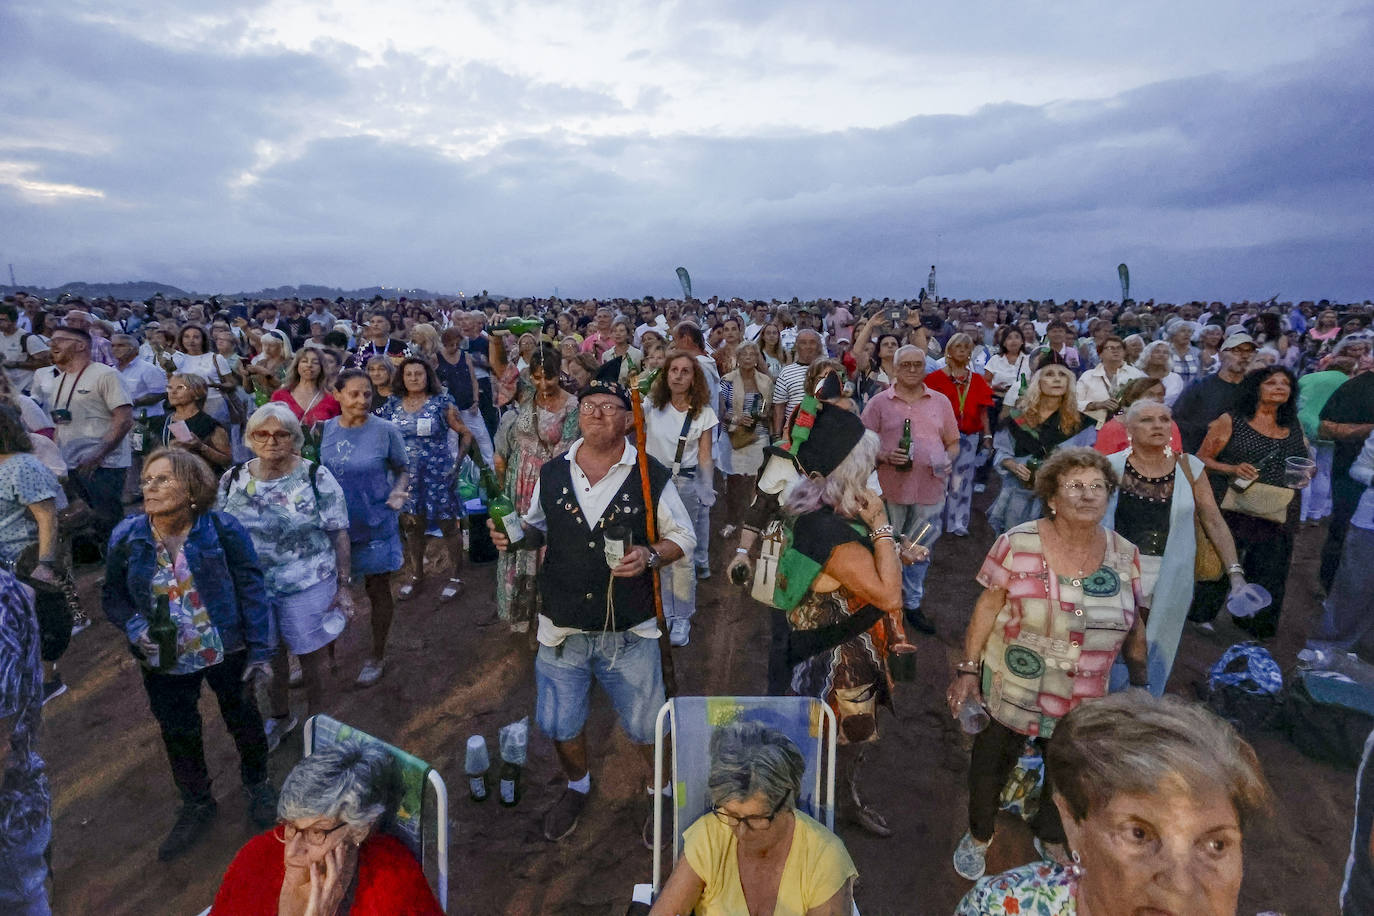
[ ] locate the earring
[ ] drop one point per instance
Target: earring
(1168, 452)
(1130, 445)
(1076, 869)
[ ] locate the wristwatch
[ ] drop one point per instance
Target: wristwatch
(653, 561)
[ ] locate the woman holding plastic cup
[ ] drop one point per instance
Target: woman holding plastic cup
(1061, 598)
(1160, 494)
(295, 513)
(1247, 451)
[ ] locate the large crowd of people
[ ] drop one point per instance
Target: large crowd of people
(254, 475)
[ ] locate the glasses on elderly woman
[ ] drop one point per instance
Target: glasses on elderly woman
(263, 435)
(314, 836)
(1079, 490)
(752, 821)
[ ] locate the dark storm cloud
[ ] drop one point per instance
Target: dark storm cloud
(233, 170)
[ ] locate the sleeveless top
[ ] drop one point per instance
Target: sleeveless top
(1248, 445)
(1143, 507)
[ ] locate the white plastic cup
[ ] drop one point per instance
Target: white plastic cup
(334, 622)
(1248, 600)
(973, 718)
(1298, 472)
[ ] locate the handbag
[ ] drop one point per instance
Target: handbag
(766, 569)
(1262, 500)
(1207, 565)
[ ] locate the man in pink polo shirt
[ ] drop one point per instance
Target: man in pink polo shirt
(914, 482)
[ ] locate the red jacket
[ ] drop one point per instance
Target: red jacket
(390, 880)
(978, 397)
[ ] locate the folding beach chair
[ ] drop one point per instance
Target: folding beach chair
(691, 721)
(409, 822)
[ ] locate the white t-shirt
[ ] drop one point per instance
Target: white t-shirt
(142, 378)
(663, 426)
(16, 348)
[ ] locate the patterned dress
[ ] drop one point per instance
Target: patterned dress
(526, 441)
(429, 460)
(851, 677)
(1038, 889)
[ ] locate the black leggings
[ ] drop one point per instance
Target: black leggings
(54, 622)
(175, 701)
(995, 752)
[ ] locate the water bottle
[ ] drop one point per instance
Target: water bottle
(973, 718)
(1248, 600)
(475, 764)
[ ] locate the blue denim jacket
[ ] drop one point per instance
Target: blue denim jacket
(227, 574)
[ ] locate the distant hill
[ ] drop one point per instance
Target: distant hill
(145, 289)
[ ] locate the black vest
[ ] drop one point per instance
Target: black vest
(574, 577)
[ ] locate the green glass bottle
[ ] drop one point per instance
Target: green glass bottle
(162, 630)
(500, 509)
(904, 446)
(518, 326)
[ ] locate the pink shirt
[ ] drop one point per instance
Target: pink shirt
(933, 428)
(597, 343)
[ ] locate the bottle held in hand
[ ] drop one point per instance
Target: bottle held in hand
(904, 446)
(162, 630)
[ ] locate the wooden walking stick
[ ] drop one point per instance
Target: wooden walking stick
(651, 524)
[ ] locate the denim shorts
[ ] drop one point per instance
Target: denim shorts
(627, 666)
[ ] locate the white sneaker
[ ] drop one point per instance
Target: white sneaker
(971, 858)
(679, 631)
(371, 673)
(277, 728)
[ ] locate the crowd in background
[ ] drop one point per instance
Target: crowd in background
(256, 473)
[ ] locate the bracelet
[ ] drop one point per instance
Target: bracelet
(881, 531)
(969, 666)
(1236, 568)
(884, 537)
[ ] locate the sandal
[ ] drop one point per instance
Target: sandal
(451, 590)
(410, 588)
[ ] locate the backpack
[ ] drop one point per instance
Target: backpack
(1245, 687)
(1329, 716)
(313, 472)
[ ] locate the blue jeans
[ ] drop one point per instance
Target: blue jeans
(626, 665)
(907, 520)
(23, 871)
(678, 581)
(1348, 612)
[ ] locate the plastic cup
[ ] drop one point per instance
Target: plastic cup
(1298, 472)
(1248, 600)
(973, 718)
(334, 621)
(476, 759)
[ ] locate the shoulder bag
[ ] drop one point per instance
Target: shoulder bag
(1207, 566)
(1262, 500)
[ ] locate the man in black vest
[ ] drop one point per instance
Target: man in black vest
(595, 625)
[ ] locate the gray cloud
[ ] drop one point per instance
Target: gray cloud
(231, 169)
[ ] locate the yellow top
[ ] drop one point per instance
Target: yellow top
(817, 867)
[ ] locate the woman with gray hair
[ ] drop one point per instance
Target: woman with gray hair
(1156, 795)
(754, 852)
(295, 512)
(1161, 493)
(843, 585)
(327, 856)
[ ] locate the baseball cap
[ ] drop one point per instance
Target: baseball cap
(1237, 340)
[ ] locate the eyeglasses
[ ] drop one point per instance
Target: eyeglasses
(752, 821)
(262, 435)
(911, 367)
(286, 831)
(606, 410)
(157, 483)
(1080, 490)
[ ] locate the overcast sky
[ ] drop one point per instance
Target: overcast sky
(1222, 148)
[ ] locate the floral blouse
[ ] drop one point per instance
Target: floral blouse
(290, 520)
(198, 642)
(1038, 889)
